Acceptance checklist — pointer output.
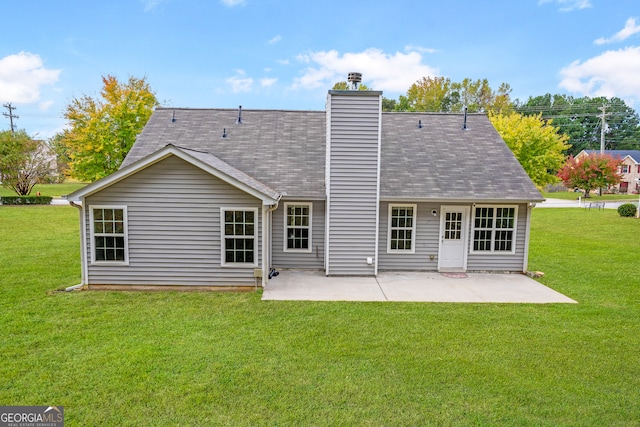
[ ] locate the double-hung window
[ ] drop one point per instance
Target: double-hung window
(297, 227)
(402, 228)
(494, 228)
(109, 234)
(239, 236)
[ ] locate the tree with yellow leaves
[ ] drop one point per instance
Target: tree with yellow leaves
(102, 131)
(537, 144)
(440, 94)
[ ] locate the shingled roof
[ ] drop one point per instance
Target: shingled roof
(619, 154)
(286, 151)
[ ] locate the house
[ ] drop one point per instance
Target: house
(47, 158)
(219, 197)
(630, 168)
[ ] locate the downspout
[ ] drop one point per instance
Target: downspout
(266, 240)
(83, 248)
(525, 261)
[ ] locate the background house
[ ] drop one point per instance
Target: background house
(630, 169)
(216, 197)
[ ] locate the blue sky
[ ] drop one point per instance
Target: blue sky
(282, 54)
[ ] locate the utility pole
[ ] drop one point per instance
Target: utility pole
(11, 116)
(603, 126)
(602, 129)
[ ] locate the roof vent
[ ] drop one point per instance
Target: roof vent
(354, 79)
(419, 124)
(464, 124)
(224, 132)
(173, 118)
(239, 121)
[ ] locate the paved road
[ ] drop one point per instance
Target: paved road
(559, 203)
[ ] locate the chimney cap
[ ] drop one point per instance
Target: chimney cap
(354, 77)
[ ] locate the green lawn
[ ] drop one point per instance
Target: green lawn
(203, 359)
(53, 190)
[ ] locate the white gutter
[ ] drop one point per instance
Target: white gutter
(527, 235)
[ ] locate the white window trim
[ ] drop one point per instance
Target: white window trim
(286, 226)
(413, 228)
(92, 240)
(493, 241)
(223, 263)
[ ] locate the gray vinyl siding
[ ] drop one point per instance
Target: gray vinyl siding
(353, 126)
(427, 244)
(499, 261)
(173, 228)
(305, 260)
(426, 241)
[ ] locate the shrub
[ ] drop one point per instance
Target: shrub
(627, 209)
(25, 200)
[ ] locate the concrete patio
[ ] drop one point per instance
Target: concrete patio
(304, 285)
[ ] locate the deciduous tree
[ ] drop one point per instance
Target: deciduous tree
(590, 172)
(537, 144)
(24, 162)
(440, 94)
(103, 130)
(346, 86)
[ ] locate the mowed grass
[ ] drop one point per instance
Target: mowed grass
(52, 190)
(203, 359)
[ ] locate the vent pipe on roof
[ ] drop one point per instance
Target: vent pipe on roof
(464, 124)
(224, 132)
(419, 124)
(173, 118)
(354, 79)
(239, 121)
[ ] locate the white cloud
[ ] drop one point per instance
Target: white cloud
(45, 105)
(283, 61)
(150, 5)
(569, 5)
(613, 73)
(380, 71)
(21, 77)
(240, 83)
(630, 28)
(266, 82)
(275, 40)
(414, 48)
(232, 3)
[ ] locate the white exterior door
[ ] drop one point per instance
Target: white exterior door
(454, 226)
